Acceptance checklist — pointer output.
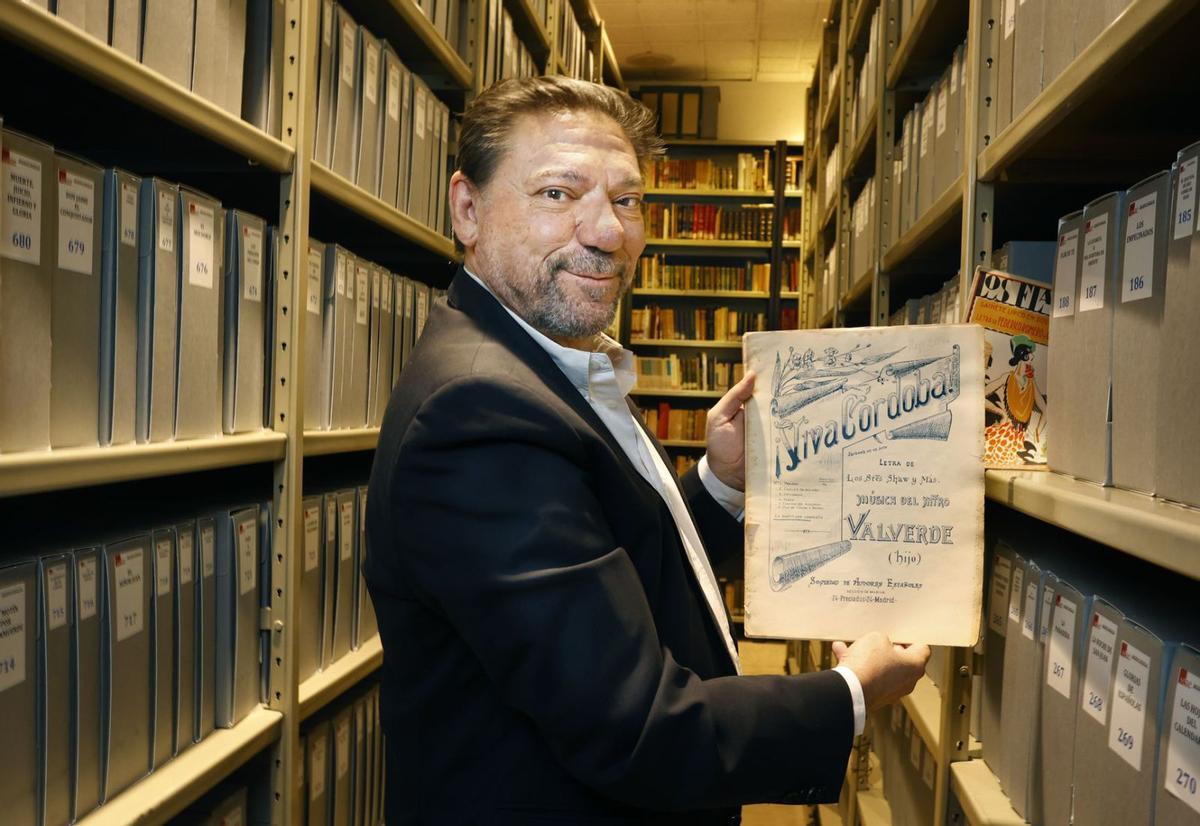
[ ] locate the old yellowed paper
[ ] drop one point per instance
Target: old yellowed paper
(864, 484)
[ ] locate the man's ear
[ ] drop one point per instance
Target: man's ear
(464, 198)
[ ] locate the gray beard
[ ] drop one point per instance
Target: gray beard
(547, 308)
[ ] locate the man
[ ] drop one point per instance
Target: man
(554, 648)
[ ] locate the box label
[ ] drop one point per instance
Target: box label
(349, 35)
(1062, 646)
(1183, 741)
(162, 573)
(330, 522)
(252, 263)
(375, 289)
(1095, 261)
(316, 779)
(926, 127)
(22, 217)
(186, 559)
(419, 115)
(1064, 274)
(166, 221)
(393, 93)
(1137, 281)
(346, 538)
(341, 748)
(1010, 18)
(76, 222)
(313, 299)
(1185, 200)
(361, 309)
(1015, 593)
(943, 100)
(128, 214)
(56, 596)
(1129, 705)
(200, 250)
(87, 588)
(1047, 602)
(13, 623)
(371, 73)
(1102, 643)
(327, 23)
(385, 300)
(247, 557)
(312, 537)
(128, 571)
(208, 565)
(1001, 579)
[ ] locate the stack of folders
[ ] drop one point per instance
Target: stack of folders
(343, 748)
(573, 46)
(909, 767)
(505, 54)
(130, 309)
(337, 615)
(929, 155)
(446, 17)
(229, 52)
(1125, 299)
(828, 292)
(863, 221)
(864, 82)
(117, 656)
(1090, 695)
(228, 804)
(362, 323)
(942, 307)
(378, 124)
(1038, 40)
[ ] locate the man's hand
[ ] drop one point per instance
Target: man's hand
(726, 431)
(887, 671)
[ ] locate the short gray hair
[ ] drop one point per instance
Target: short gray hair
(489, 118)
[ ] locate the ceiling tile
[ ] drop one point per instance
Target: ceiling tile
(721, 11)
(778, 48)
(778, 64)
(730, 30)
(619, 12)
(716, 51)
(781, 77)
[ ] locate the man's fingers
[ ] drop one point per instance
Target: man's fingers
(729, 404)
(914, 654)
(839, 650)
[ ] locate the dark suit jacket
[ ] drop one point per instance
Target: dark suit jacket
(548, 655)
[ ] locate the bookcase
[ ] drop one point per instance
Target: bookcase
(93, 100)
(1016, 153)
(716, 265)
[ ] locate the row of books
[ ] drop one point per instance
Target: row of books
(745, 171)
(709, 222)
(343, 780)
(832, 175)
(1090, 690)
(792, 227)
(790, 280)
(865, 73)
(229, 53)
(362, 323)
(572, 45)
(378, 124)
(667, 422)
(1124, 304)
(793, 171)
(827, 288)
(701, 324)
(685, 462)
(654, 273)
(130, 309)
(505, 54)
(941, 307)
(447, 17)
(929, 155)
(864, 222)
(695, 372)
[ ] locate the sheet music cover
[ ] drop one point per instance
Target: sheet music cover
(864, 484)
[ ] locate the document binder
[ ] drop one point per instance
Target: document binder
(262, 105)
(370, 122)
(245, 306)
(118, 308)
(237, 678)
(329, 568)
(311, 589)
(326, 88)
(1059, 43)
(1094, 706)
(359, 344)
(126, 28)
(167, 38)
(198, 383)
(366, 625)
(389, 143)
(1004, 64)
(127, 666)
(996, 611)
(75, 314)
(342, 728)
(375, 310)
(206, 631)
(158, 290)
(187, 635)
(358, 766)
(346, 98)
(1177, 798)
(317, 778)
(1027, 54)
(386, 344)
(318, 333)
(86, 718)
(346, 577)
(56, 629)
(162, 623)
(19, 613)
(340, 264)
(28, 249)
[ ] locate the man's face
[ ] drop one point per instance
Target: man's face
(559, 226)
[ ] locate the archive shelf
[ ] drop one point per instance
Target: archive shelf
(861, 16)
(860, 288)
(861, 160)
(743, 194)
(829, 815)
(676, 342)
(924, 706)
(529, 28)
(828, 213)
(318, 690)
(326, 442)
(793, 193)
(702, 293)
(710, 244)
(338, 189)
(826, 320)
(873, 808)
(832, 109)
(793, 245)
(47, 470)
(931, 36)
(609, 56)
(1139, 525)
(87, 57)
(789, 294)
(979, 793)
(679, 394)
(936, 224)
(167, 791)
(427, 52)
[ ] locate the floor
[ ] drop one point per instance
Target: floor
(769, 658)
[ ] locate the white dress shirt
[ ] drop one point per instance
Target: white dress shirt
(604, 379)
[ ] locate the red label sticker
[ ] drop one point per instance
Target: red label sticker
(1124, 649)
(1183, 676)
(1095, 620)
(62, 176)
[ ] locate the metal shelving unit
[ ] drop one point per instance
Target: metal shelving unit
(318, 690)
(327, 442)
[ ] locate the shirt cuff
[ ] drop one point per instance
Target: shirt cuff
(856, 698)
(731, 499)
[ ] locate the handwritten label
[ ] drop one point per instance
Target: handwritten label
(1095, 260)
(200, 250)
(339, 271)
(87, 588)
(56, 596)
(128, 214)
(252, 263)
(371, 73)
(1064, 274)
(1102, 643)
(419, 114)
(1028, 617)
(22, 218)
(76, 222)
(361, 309)
(312, 537)
(162, 571)
(927, 116)
(13, 624)
(187, 558)
(313, 299)
(341, 747)
(1137, 279)
(1183, 741)
(348, 55)
(1185, 200)
(346, 538)
(166, 221)
(247, 547)
(207, 553)
(316, 778)
(1015, 593)
(1062, 646)
(385, 300)
(943, 100)
(375, 289)
(1129, 705)
(1044, 620)
(129, 571)
(393, 92)
(1001, 577)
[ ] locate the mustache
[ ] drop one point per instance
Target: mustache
(597, 262)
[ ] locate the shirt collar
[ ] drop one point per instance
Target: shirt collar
(606, 372)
